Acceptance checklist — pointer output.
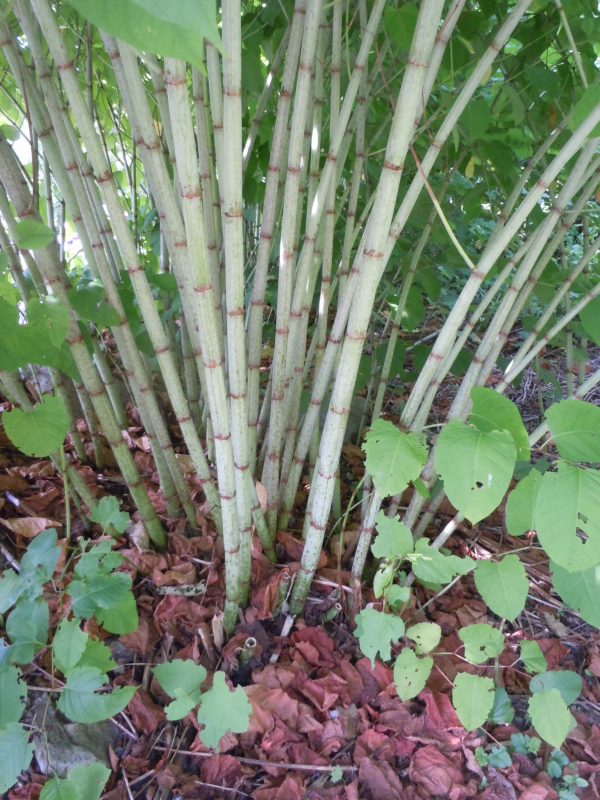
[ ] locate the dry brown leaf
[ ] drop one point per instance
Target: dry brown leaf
(30, 526)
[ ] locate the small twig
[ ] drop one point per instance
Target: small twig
(222, 788)
(259, 762)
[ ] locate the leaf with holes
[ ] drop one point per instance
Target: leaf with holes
(575, 428)
(473, 699)
(394, 458)
(481, 642)
(223, 710)
(393, 540)
(550, 717)
(39, 432)
(568, 502)
(494, 412)
(503, 585)
(476, 467)
(376, 631)
(411, 673)
(425, 635)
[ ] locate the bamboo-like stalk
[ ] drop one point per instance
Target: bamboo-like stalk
(373, 263)
(318, 207)
(49, 266)
(261, 105)
(128, 75)
(270, 477)
(321, 380)
(447, 335)
(110, 196)
(267, 230)
(171, 478)
(230, 184)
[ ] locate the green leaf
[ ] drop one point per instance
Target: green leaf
(584, 107)
(101, 591)
(568, 501)
(11, 588)
(108, 515)
(399, 24)
(32, 235)
(181, 679)
(481, 642)
(590, 319)
(393, 540)
(383, 577)
(41, 557)
(431, 566)
(15, 754)
(396, 596)
(476, 467)
(425, 635)
(27, 627)
(376, 631)
(580, 591)
(49, 318)
(394, 458)
(532, 657)
(84, 782)
(182, 704)
(222, 711)
(520, 506)
(10, 132)
(89, 303)
(503, 585)
(550, 716)
(473, 699)
(575, 428)
(97, 654)
(121, 618)
(39, 432)
(80, 701)
(411, 673)
(12, 694)
(567, 682)
(152, 27)
(90, 780)
(336, 774)
(99, 560)
(69, 644)
(502, 712)
(59, 789)
(494, 412)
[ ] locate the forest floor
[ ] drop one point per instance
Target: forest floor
(325, 724)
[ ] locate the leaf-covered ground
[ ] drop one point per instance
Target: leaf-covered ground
(324, 724)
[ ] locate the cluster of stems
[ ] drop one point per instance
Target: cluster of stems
(255, 409)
